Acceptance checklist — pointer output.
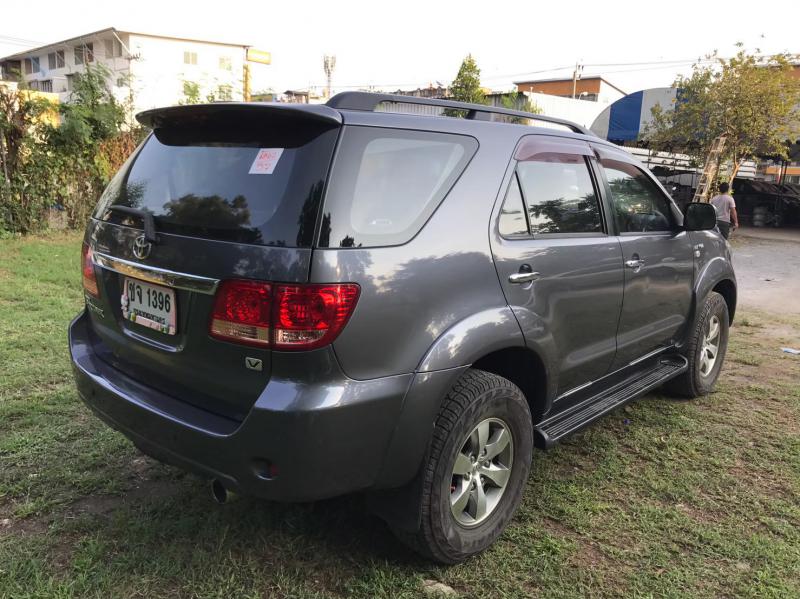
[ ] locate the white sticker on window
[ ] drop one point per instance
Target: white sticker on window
(266, 161)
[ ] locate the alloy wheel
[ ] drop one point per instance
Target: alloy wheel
(481, 472)
(710, 346)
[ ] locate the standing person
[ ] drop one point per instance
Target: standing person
(726, 211)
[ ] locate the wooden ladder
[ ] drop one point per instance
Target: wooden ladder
(709, 170)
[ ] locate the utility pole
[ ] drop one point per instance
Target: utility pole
(576, 74)
(329, 64)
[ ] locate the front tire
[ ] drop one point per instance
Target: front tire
(705, 351)
(475, 471)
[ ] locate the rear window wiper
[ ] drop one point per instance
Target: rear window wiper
(147, 219)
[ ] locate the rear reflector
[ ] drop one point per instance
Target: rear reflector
(284, 317)
(89, 276)
(242, 312)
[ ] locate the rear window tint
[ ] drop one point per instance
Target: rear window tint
(386, 183)
(212, 186)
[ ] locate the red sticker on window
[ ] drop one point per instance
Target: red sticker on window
(265, 162)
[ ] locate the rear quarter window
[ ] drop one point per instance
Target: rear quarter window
(386, 183)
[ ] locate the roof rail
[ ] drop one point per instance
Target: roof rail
(369, 102)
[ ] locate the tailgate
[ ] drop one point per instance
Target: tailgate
(233, 193)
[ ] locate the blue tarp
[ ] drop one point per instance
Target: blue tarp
(624, 118)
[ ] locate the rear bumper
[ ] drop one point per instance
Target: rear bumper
(326, 437)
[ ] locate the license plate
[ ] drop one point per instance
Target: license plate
(152, 306)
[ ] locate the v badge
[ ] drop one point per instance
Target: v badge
(253, 363)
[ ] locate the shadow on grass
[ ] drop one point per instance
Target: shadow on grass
(177, 520)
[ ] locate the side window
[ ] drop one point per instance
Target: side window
(639, 206)
(512, 218)
(385, 184)
(559, 194)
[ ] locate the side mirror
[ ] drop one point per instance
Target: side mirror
(699, 217)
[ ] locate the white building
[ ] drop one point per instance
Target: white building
(578, 111)
(591, 88)
(147, 70)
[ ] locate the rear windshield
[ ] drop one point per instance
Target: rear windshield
(244, 181)
(387, 182)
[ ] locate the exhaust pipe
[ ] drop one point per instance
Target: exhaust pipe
(220, 493)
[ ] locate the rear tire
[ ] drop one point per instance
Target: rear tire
(465, 503)
(705, 351)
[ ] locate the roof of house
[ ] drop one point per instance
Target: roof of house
(562, 79)
(78, 38)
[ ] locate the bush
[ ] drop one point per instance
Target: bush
(65, 164)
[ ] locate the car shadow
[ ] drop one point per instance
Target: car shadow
(168, 512)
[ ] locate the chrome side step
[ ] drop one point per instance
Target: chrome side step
(553, 429)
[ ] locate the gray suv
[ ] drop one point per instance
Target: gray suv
(298, 301)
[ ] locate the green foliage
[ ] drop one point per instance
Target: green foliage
(59, 162)
(191, 93)
(466, 87)
(752, 100)
(519, 101)
(25, 181)
(93, 115)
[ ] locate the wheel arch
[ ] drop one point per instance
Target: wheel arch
(727, 289)
(523, 367)
(716, 275)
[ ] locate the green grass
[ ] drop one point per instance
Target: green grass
(665, 498)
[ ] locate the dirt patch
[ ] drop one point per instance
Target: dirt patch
(101, 505)
(91, 505)
(588, 554)
(10, 527)
(697, 514)
(766, 272)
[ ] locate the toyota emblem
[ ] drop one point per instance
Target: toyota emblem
(141, 247)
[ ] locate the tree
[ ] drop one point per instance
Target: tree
(75, 148)
(91, 116)
(20, 114)
(466, 87)
(26, 181)
(50, 163)
(191, 93)
(751, 99)
(519, 101)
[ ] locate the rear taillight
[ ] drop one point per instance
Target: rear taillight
(309, 316)
(87, 266)
(242, 312)
(284, 317)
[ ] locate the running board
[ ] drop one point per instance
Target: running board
(550, 431)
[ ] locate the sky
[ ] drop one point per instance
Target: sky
(410, 43)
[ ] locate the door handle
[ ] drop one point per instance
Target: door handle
(634, 264)
(523, 277)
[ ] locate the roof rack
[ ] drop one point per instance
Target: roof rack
(369, 102)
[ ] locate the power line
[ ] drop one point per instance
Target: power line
(642, 69)
(653, 65)
(24, 44)
(19, 41)
(670, 63)
(631, 64)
